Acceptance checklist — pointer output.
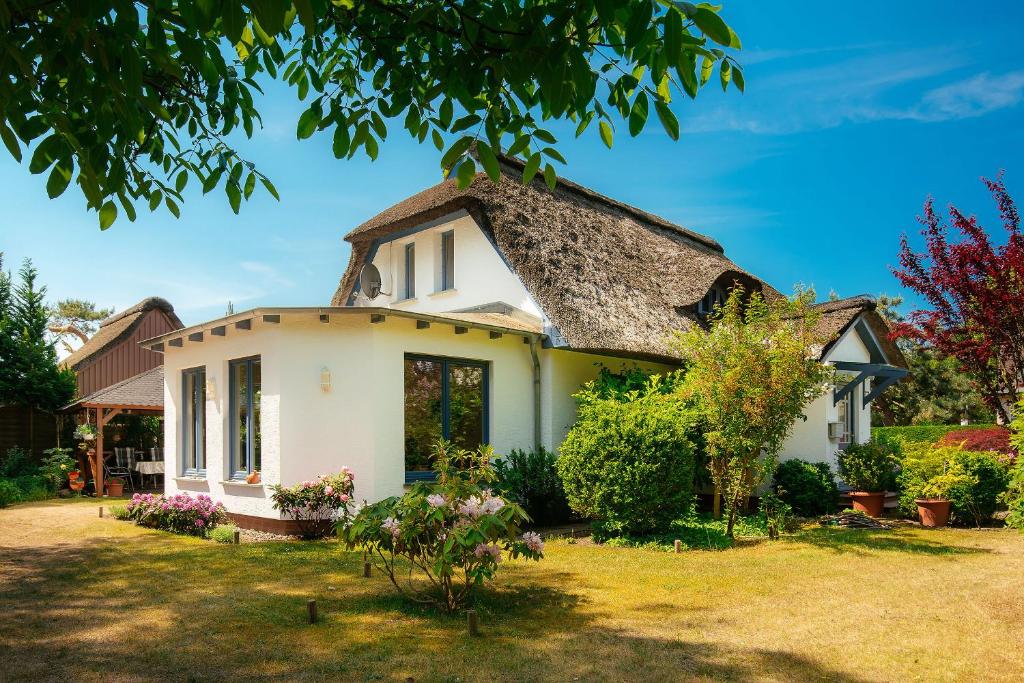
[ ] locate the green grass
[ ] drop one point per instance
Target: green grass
(89, 599)
(696, 532)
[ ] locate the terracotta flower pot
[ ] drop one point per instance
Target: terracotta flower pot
(115, 489)
(76, 486)
(870, 504)
(933, 513)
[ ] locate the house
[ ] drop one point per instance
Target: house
(116, 375)
(496, 303)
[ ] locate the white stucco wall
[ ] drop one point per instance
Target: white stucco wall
(481, 275)
(809, 439)
(358, 423)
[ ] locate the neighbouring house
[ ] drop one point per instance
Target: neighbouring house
(496, 303)
(119, 378)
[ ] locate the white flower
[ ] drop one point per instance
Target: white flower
(471, 507)
(533, 541)
(436, 500)
(391, 524)
(488, 549)
(492, 505)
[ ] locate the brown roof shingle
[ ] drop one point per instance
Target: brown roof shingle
(144, 390)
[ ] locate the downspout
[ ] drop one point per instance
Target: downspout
(536, 394)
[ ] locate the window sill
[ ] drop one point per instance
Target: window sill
(241, 483)
(190, 477)
(402, 302)
(443, 292)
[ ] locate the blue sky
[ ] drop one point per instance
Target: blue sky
(850, 119)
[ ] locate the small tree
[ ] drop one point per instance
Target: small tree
(976, 296)
(75, 317)
(751, 374)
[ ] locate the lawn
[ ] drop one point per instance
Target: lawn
(89, 599)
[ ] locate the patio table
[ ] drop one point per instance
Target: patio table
(150, 467)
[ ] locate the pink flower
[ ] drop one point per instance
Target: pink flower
(485, 549)
(344, 498)
(199, 522)
(329, 490)
(436, 500)
(533, 541)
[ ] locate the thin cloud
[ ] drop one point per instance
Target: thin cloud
(269, 273)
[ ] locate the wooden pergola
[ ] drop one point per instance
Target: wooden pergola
(142, 394)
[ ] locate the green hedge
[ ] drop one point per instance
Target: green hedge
(920, 433)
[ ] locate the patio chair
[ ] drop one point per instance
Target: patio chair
(123, 467)
(156, 454)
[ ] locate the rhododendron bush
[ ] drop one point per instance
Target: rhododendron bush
(180, 513)
(316, 505)
(440, 541)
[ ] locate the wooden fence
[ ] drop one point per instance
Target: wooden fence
(33, 430)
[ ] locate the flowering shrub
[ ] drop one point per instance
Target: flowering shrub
(56, 466)
(452, 534)
(180, 513)
(316, 505)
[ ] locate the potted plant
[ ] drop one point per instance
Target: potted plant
(85, 432)
(253, 477)
(930, 479)
(869, 469)
(115, 487)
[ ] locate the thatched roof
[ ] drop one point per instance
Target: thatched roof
(838, 316)
(610, 277)
(118, 327)
(143, 391)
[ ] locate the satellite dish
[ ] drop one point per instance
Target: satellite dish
(370, 281)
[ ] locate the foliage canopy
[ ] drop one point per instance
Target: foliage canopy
(133, 99)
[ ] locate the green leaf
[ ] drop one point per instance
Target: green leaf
(212, 180)
(466, 172)
(711, 25)
(154, 199)
(606, 134)
(181, 181)
(234, 196)
(108, 214)
(737, 77)
(531, 168)
(233, 20)
(341, 141)
(270, 188)
(10, 141)
(638, 22)
(673, 34)
(250, 185)
(172, 206)
(489, 160)
(306, 15)
(309, 121)
(668, 120)
(707, 67)
(725, 73)
(554, 154)
(521, 143)
(550, 177)
(455, 151)
(58, 181)
(638, 114)
(446, 113)
(371, 147)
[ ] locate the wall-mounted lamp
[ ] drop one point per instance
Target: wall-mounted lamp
(211, 389)
(325, 380)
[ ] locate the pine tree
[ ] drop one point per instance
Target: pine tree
(8, 374)
(39, 382)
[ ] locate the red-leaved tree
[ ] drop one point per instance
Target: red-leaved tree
(976, 293)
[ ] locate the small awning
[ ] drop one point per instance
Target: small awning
(885, 376)
(143, 393)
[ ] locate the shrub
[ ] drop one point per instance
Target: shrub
(920, 433)
(696, 531)
(223, 533)
(119, 512)
(531, 479)
(56, 465)
(973, 481)
(453, 532)
(10, 492)
(776, 512)
(16, 463)
(33, 487)
(808, 487)
(1014, 497)
(988, 439)
(180, 513)
(316, 505)
(870, 466)
(629, 465)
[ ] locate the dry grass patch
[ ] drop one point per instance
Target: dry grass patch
(87, 599)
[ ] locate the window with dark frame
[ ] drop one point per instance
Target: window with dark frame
(444, 398)
(410, 271)
(193, 421)
(245, 416)
(447, 260)
(715, 297)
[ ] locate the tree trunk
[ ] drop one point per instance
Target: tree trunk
(716, 503)
(732, 518)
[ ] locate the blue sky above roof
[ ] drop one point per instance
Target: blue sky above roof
(850, 120)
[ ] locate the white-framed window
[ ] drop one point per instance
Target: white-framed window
(446, 262)
(409, 271)
(714, 298)
(847, 419)
(193, 422)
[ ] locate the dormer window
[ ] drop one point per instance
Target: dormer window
(446, 276)
(714, 298)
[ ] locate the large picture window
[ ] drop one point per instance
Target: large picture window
(245, 417)
(193, 421)
(444, 398)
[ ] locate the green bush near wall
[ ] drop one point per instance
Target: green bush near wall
(920, 433)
